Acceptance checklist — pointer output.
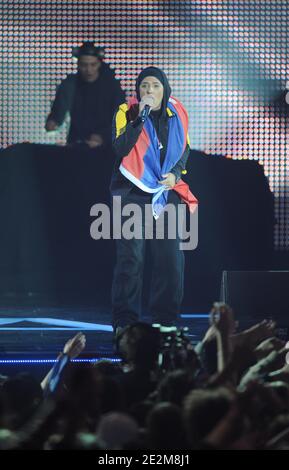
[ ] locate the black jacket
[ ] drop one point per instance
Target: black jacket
(90, 105)
(122, 145)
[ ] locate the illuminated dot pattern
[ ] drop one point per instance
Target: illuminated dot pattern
(225, 60)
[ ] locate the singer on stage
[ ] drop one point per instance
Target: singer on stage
(150, 139)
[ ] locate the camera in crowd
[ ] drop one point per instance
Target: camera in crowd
(148, 347)
(176, 350)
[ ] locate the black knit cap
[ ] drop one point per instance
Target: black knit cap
(88, 48)
(161, 76)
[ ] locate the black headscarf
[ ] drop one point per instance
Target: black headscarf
(161, 76)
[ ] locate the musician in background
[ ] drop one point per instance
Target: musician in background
(90, 96)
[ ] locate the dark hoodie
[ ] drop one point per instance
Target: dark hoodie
(91, 105)
(125, 142)
(161, 76)
(160, 117)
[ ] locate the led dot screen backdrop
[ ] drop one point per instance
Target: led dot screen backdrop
(226, 61)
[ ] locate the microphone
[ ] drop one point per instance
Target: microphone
(145, 112)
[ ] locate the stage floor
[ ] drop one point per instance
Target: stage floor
(36, 331)
(33, 334)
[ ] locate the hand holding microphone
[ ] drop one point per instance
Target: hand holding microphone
(145, 106)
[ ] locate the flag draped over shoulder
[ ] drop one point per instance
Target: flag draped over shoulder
(142, 165)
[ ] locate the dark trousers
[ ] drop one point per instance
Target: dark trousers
(167, 272)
